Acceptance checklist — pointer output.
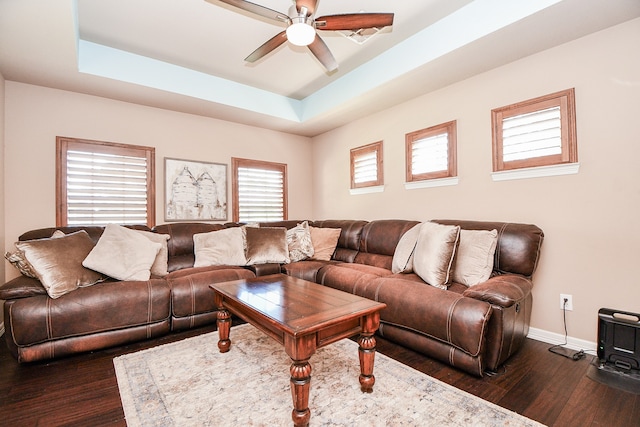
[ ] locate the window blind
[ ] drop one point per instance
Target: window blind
(430, 154)
(365, 167)
(260, 194)
(530, 135)
(106, 188)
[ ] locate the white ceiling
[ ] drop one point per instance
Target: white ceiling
(188, 55)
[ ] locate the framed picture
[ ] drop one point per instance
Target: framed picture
(195, 191)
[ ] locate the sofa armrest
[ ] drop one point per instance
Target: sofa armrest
(503, 290)
(21, 287)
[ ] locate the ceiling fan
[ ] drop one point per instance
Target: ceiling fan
(301, 27)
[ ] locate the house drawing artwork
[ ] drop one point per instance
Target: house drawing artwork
(193, 193)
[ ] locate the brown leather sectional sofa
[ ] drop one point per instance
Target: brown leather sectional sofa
(474, 329)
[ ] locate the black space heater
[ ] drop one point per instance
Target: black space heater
(619, 338)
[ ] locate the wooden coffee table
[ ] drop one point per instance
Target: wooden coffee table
(302, 316)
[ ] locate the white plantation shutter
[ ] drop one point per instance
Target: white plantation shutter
(365, 168)
(531, 135)
(536, 132)
(260, 194)
(102, 183)
(106, 188)
(430, 154)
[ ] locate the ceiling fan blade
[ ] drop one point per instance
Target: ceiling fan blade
(267, 47)
(309, 4)
(256, 9)
(354, 21)
(324, 55)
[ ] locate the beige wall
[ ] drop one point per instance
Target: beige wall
(591, 220)
(36, 115)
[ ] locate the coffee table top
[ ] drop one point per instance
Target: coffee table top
(297, 306)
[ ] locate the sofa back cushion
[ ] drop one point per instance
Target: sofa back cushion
(518, 246)
(379, 239)
(93, 231)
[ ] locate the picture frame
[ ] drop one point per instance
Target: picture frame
(195, 190)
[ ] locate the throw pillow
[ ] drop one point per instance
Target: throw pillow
(18, 260)
(474, 260)
(324, 242)
(299, 242)
(160, 264)
(266, 245)
(403, 256)
(434, 253)
(221, 247)
(57, 262)
(123, 253)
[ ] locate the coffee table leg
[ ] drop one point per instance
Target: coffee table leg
(367, 351)
(300, 385)
(224, 323)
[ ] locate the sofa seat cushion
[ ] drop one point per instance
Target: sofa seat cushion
(440, 314)
(190, 291)
(103, 307)
(349, 277)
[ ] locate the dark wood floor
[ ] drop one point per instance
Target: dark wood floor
(82, 390)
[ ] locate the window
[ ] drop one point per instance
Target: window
(366, 166)
(259, 190)
(538, 132)
(98, 183)
(431, 153)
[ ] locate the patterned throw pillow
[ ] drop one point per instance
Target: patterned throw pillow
(299, 242)
(18, 260)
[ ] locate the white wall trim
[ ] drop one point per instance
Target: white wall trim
(366, 190)
(537, 172)
(428, 183)
(554, 339)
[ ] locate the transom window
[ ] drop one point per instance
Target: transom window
(98, 183)
(431, 152)
(366, 166)
(537, 132)
(259, 190)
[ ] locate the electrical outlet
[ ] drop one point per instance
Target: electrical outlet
(569, 304)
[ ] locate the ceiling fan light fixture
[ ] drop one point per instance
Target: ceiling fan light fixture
(300, 33)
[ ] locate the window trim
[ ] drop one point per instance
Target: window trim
(569, 148)
(63, 144)
(362, 150)
(237, 162)
(452, 157)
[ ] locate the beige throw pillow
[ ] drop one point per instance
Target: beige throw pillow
(434, 253)
(403, 256)
(57, 262)
(474, 260)
(221, 247)
(123, 253)
(160, 264)
(324, 242)
(266, 245)
(299, 242)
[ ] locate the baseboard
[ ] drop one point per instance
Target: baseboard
(554, 339)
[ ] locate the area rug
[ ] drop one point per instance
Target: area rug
(190, 383)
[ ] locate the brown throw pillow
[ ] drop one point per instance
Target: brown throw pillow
(324, 242)
(266, 245)
(58, 262)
